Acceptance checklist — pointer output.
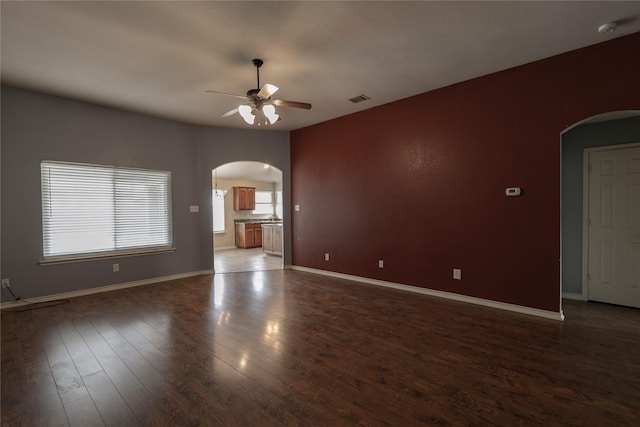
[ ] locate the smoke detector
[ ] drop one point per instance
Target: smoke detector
(609, 27)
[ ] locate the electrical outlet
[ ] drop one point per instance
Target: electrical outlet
(116, 268)
(380, 263)
(5, 283)
(457, 274)
(326, 256)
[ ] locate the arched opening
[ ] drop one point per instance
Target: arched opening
(609, 129)
(247, 207)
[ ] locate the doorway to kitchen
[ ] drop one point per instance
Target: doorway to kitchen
(247, 217)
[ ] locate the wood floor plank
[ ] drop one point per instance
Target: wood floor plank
(82, 412)
(292, 348)
(109, 402)
(68, 380)
(211, 390)
(82, 357)
(113, 366)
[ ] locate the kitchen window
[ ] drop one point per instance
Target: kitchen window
(264, 203)
(93, 211)
(279, 209)
(218, 210)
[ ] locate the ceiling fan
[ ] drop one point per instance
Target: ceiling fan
(261, 108)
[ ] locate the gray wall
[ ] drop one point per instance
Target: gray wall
(217, 146)
(574, 142)
(38, 127)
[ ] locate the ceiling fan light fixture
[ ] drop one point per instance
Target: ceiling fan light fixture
(261, 110)
(270, 112)
(246, 113)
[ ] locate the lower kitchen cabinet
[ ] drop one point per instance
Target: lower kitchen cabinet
(248, 235)
(272, 239)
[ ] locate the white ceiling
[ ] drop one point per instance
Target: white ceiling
(159, 57)
(253, 171)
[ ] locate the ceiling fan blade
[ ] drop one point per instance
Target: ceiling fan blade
(230, 112)
(226, 94)
(291, 104)
(267, 90)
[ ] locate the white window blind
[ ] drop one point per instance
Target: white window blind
(279, 209)
(218, 210)
(264, 203)
(102, 210)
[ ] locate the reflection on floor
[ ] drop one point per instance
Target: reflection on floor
(234, 260)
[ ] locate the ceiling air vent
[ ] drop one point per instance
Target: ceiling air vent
(359, 98)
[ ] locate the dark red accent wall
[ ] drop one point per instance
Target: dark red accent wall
(420, 182)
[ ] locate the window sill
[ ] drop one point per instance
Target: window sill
(96, 257)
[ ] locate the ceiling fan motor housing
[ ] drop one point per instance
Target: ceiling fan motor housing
(251, 93)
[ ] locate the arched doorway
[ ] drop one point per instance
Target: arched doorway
(238, 227)
(610, 129)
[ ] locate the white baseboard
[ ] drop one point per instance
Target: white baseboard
(424, 291)
(100, 289)
(224, 248)
(570, 295)
(441, 294)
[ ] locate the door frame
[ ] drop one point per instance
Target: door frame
(585, 208)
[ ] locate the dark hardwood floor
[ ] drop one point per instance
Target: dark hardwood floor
(277, 348)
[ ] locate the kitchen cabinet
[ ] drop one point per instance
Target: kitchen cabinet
(272, 239)
(248, 235)
(244, 198)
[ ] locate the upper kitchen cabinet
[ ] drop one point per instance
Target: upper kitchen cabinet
(244, 198)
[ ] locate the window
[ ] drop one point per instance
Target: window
(90, 210)
(264, 203)
(218, 210)
(279, 209)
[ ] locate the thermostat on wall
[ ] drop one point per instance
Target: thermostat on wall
(513, 191)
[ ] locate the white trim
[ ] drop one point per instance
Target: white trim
(571, 295)
(440, 294)
(100, 289)
(107, 255)
(561, 243)
(585, 222)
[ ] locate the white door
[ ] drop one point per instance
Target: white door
(613, 271)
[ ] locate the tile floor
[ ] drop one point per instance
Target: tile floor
(236, 260)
